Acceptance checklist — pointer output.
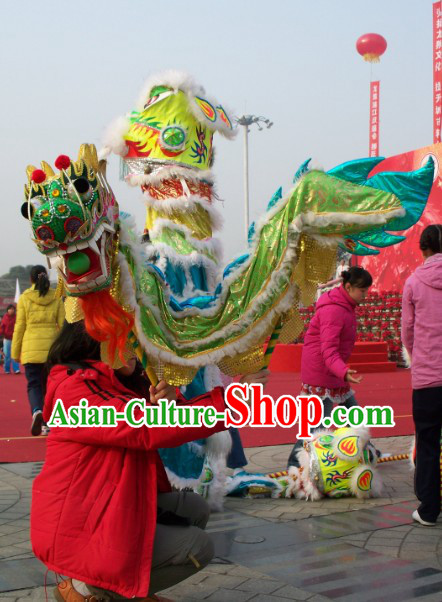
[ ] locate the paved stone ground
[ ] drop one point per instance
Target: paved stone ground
(273, 550)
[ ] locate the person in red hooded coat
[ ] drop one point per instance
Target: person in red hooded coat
(103, 512)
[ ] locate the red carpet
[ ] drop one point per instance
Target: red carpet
(16, 441)
(17, 445)
(392, 388)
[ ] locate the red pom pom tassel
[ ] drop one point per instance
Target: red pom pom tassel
(38, 176)
(62, 162)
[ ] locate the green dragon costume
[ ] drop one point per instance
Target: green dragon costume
(75, 220)
(186, 317)
(166, 148)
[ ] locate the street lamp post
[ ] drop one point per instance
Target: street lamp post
(245, 121)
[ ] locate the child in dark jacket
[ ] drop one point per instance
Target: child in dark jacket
(103, 512)
(328, 344)
(7, 330)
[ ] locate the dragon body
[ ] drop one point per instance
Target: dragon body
(181, 313)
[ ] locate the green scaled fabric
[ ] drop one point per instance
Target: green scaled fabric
(355, 171)
(412, 187)
(380, 239)
(252, 297)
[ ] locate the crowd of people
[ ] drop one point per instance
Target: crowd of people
(103, 511)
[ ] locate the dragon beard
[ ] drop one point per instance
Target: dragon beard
(107, 322)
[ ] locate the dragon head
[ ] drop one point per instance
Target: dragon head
(172, 125)
(73, 219)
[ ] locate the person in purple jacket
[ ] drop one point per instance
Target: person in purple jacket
(422, 338)
(328, 344)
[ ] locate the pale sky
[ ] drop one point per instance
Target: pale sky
(69, 68)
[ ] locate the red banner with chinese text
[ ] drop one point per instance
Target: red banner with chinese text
(373, 150)
(394, 264)
(437, 71)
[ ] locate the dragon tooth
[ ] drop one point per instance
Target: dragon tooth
(108, 228)
(93, 245)
(103, 256)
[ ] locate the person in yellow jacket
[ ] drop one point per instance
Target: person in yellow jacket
(40, 315)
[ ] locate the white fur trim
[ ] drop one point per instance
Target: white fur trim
(185, 203)
(406, 357)
(305, 222)
(219, 445)
(179, 80)
(310, 491)
(113, 137)
(212, 378)
(169, 172)
(181, 482)
(186, 262)
(411, 454)
(217, 489)
(208, 245)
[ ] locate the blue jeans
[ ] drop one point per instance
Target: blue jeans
(236, 457)
(328, 408)
(34, 376)
(7, 343)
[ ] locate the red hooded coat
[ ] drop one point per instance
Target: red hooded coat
(94, 504)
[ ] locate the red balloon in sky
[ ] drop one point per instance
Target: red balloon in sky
(371, 46)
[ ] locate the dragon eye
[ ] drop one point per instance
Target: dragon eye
(172, 137)
(81, 185)
(82, 189)
(36, 203)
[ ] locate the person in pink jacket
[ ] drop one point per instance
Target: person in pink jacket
(328, 344)
(422, 338)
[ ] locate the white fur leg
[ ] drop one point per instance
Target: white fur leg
(218, 486)
(219, 445)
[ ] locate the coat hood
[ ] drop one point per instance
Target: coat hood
(34, 296)
(92, 370)
(430, 273)
(337, 296)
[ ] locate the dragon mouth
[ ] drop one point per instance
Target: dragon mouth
(85, 265)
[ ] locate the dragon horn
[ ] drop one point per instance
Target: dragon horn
(88, 154)
(29, 170)
(47, 169)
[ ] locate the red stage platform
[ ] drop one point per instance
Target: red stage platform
(366, 357)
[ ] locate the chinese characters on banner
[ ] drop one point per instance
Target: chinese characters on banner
(374, 120)
(437, 70)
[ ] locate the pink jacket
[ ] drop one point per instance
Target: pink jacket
(329, 340)
(422, 323)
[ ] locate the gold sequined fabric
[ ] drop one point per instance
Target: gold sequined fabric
(173, 374)
(315, 265)
(244, 363)
(73, 310)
